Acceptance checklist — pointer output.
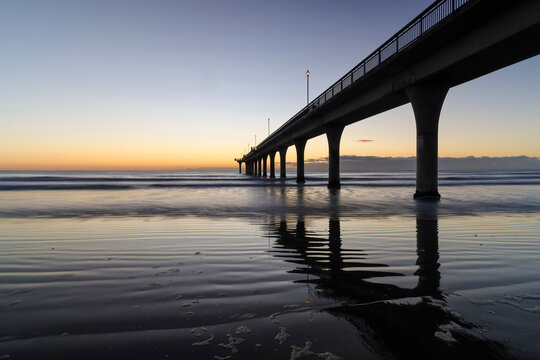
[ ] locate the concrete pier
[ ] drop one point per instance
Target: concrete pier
(463, 40)
(283, 162)
(259, 167)
(333, 134)
(239, 167)
(300, 145)
(427, 103)
(272, 155)
(264, 165)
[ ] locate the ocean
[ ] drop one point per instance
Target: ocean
(217, 265)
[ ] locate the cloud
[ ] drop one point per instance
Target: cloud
(365, 140)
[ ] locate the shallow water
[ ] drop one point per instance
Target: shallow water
(263, 271)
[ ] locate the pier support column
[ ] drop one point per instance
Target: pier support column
(259, 167)
(272, 155)
(239, 167)
(300, 147)
(427, 103)
(333, 133)
(264, 165)
(283, 162)
(248, 167)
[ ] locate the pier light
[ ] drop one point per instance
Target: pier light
(307, 78)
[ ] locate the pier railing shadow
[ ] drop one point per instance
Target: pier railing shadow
(394, 321)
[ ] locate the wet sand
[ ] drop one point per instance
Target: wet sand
(271, 288)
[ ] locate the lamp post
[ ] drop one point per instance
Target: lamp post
(268, 126)
(307, 78)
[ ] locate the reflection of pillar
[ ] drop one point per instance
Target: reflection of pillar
(283, 161)
(335, 258)
(427, 249)
(272, 164)
(427, 102)
(300, 145)
(300, 227)
(282, 226)
(264, 165)
(333, 133)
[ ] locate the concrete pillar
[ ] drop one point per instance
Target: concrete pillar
(248, 167)
(272, 164)
(283, 162)
(300, 145)
(259, 167)
(264, 165)
(333, 133)
(427, 103)
(239, 167)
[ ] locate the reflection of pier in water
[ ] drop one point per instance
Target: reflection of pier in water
(396, 322)
(339, 272)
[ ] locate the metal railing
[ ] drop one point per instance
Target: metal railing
(424, 22)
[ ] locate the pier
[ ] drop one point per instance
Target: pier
(448, 44)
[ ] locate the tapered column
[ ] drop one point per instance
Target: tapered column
(248, 167)
(264, 165)
(283, 162)
(427, 103)
(259, 167)
(239, 167)
(333, 133)
(272, 164)
(300, 145)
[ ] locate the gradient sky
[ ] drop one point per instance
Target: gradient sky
(171, 84)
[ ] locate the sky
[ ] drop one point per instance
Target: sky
(172, 84)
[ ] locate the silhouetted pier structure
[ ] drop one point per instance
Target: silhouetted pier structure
(449, 43)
